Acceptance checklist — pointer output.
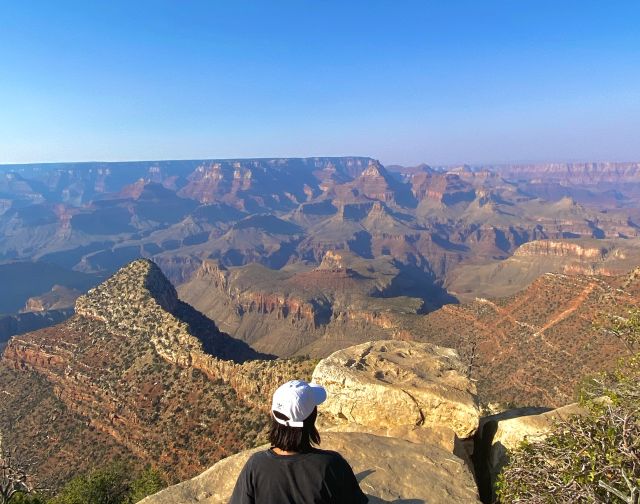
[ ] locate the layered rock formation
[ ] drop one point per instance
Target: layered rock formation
(608, 257)
(445, 188)
(375, 183)
(290, 212)
(588, 174)
(345, 301)
(593, 251)
(58, 298)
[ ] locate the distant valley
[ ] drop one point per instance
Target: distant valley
(73, 224)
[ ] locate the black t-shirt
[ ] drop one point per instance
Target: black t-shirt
(314, 477)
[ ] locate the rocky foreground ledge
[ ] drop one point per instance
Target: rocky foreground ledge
(388, 469)
(395, 412)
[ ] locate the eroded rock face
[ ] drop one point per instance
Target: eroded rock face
(398, 388)
(388, 470)
(562, 248)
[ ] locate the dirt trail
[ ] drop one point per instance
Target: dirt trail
(573, 306)
(506, 314)
(459, 312)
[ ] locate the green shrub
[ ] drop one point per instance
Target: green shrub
(109, 485)
(113, 484)
(148, 482)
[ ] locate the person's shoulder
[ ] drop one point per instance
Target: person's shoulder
(257, 458)
(330, 457)
(326, 453)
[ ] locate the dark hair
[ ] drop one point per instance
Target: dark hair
(294, 439)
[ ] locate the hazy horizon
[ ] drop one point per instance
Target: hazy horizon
(410, 83)
(407, 165)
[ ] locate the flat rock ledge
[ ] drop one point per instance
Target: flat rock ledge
(389, 471)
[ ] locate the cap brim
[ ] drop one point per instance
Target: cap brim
(319, 393)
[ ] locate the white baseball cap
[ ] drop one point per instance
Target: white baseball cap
(297, 399)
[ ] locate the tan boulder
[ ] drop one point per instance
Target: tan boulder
(515, 426)
(388, 469)
(415, 391)
(505, 431)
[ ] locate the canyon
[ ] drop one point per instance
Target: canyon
(152, 306)
(92, 218)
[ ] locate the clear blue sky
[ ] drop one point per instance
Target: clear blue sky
(440, 82)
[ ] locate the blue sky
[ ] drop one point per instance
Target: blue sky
(441, 82)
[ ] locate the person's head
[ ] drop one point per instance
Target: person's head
(293, 416)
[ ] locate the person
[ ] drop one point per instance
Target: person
(293, 471)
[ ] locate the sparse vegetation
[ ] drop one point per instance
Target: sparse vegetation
(588, 459)
(625, 328)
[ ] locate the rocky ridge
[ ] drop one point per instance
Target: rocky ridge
(154, 376)
(535, 345)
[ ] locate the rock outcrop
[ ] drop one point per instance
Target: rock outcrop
(375, 183)
(500, 433)
(515, 426)
(561, 248)
(58, 298)
(399, 388)
(445, 188)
